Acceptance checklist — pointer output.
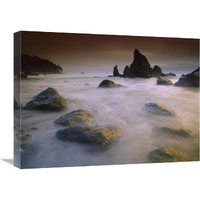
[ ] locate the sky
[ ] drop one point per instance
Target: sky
(79, 51)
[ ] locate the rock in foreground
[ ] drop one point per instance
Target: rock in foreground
(189, 80)
(158, 108)
(164, 81)
(48, 99)
(108, 84)
(90, 134)
(168, 154)
(76, 118)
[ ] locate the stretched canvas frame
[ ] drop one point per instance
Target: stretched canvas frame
(83, 99)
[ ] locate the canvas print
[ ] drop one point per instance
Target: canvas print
(85, 99)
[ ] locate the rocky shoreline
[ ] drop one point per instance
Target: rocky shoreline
(80, 125)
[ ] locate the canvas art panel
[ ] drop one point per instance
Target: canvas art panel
(85, 99)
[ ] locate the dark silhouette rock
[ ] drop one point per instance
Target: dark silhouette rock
(189, 80)
(168, 154)
(164, 81)
(48, 99)
(127, 72)
(76, 118)
(158, 109)
(140, 66)
(90, 134)
(108, 84)
(170, 74)
(157, 69)
(173, 131)
(115, 71)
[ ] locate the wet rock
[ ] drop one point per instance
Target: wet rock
(157, 69)
(48, 99)
(173, 131)
(76, 118)
(189, 80)
(90, 134)
(164, 81)
(115, 71)
(158, 109)
(168, 154)
(108, 84)
(127, 72)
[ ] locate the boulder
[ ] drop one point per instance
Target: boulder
(189, 80)
(108, 84)
(76, 118)
(48, 99)
(168, 154)
(127, 72)
(164, 81)
(90, 134)
(158, 109)
(115, 71)
(173, 131)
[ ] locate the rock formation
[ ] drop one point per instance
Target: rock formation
(164, 81)
(140, 66)
(127, 72)
(173, 131)
(115, 71)
(189, 80)
(158, 109)
(76, 118)
(108, 84)
(170, 74)
(48, 99)
(90, 134)
(168, 154)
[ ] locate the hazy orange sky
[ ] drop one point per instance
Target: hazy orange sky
(99, 51)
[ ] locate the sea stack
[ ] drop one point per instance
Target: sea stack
(140, 66)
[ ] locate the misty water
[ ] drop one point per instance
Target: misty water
(116, 106)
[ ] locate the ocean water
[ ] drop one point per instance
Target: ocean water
(117, 106)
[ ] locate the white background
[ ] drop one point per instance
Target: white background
(142, 181)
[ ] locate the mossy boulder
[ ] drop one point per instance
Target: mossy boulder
(76, 118)
(168, 154)
(173, 131)
(164, 81)
(90, 134)
(158, 109)
(108, 84)
(48, 99)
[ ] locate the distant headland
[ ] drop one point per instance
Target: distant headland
(34, 65)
